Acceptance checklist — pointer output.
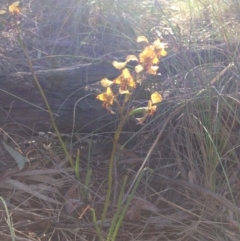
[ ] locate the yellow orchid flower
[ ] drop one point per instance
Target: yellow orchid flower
(152, 108)
(142, 39)
(13, 8)
(107, 98)
(106, 82)
(125, 80)
(155, 99)
(2, 12)
(159, 48)
(148, 57)
(121, 65)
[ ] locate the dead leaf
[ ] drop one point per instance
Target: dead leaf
(72, 192)
(20, 186)
(146, 205)
(191, 177)
(72, 199)
(72, 204)
(134, 212)
(19, 158)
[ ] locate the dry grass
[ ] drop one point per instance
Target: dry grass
(190, 190)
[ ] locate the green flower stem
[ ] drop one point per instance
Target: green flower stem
(118, 212)
(120, 108)
(129, 199)
(111, 162)
(96, 225)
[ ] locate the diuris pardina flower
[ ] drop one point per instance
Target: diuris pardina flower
(159, 48)
(13, 8)
(126, 82)
(149, 57)
(156, 98)
(107, 98)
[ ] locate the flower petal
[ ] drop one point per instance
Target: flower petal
(152, 70)
(122, 91)
(119, 65)
(159, 48)
(139, 68)
(148, 56)
(141, 120)
(107, 97)
(118, 80)
(163, 52)
(156, 98)
(151, 108)
(131, 58)
(106, 82)
(142, 39)
(126, 73)
(13, 8)
(2, 12)
(128, 78)
(157, 44)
